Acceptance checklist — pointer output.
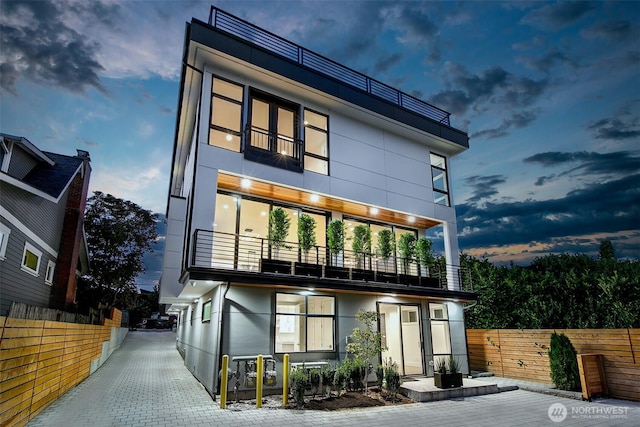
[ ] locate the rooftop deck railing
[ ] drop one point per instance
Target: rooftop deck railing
(278, 45)
(217, 250)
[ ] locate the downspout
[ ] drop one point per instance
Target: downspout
(220, 314)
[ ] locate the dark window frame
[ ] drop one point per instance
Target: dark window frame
(231, 100)
(446, 177)
(305, 152)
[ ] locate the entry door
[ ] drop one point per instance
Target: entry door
(400, 328)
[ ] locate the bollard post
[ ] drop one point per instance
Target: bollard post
(285, 379)
(223, 382)
(260, 373)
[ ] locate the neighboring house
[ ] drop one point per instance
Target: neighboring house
(42, 243)
(264, 124)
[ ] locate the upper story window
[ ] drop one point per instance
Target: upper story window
(31, 259)
(48, 277)
(440, 183)
(4, 239)
(5, 155)
(316, 142)
(274, 132)
(226, 114)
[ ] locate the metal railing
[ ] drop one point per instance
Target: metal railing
(274, 143)
(278, 45)
(217, 250)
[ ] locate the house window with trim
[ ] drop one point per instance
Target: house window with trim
(206, 312)
(4, 239)
(316, 142)
(226, 114)
(31, 259)
(48, 277)
(304, 323)
(439, 175)
(5, 154)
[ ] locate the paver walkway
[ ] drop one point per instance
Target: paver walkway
(145, 383)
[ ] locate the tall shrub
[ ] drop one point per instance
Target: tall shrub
(279, 223)
(335, 239)
(563, 363)
(306, 234)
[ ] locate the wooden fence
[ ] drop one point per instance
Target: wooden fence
(524, 354)
(41, 359)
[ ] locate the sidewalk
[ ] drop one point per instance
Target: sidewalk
(145, 383)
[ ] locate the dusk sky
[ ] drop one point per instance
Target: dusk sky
(549, 93)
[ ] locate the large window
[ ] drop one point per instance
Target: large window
(226, 114)
(31, 259)
(304, 323)
(440, 184)
(316, 142)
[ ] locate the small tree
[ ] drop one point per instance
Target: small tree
(279, 223)
(563, 363)
(306, 234)
(361, 244)
(386, 244)
(424, 253)
(407, 249)
(606, 251)
(335, 239)
(366, 342)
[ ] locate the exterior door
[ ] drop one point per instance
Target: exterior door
(400, 329)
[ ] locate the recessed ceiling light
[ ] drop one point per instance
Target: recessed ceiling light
(374, 211)
(315, 197)
(229, 137)
(412, 219)
(245, 183)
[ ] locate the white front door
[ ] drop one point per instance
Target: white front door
(400, 328)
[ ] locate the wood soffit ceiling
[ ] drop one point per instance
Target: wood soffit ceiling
(303, 198)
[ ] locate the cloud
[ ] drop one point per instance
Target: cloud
(38, 44)
(580, 213)
(558, 15)
(484, 187)
(618, 30)
(384, 64)
(590, 163)
(495, 89)
(616, 128)
(548, 62)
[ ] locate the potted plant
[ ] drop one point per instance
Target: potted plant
(306, 241)
(361, 246)
(335, 242)
(426, 260)
(386, 249)
(279, 223)
(447, 373)
(407, 250)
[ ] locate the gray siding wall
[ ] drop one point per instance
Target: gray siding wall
(21, 163)
(16, 284)
(41, 216)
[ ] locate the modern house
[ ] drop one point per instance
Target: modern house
(266, 128)
(42, 244)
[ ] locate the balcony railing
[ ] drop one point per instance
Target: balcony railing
(318, 63)
(216, 250)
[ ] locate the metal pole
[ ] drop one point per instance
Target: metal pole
(260, 373)
(285, 379)
(223, 382)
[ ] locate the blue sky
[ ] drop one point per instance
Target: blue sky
(549, 93)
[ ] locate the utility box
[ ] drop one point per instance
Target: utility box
(592, 379)
(244, 379)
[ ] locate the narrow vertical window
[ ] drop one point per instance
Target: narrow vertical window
(316, 142)
(48, 277)
(4, 239)
(226, 114)
(440, 183)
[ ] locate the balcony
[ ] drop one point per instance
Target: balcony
(319, 64)
(273, 149)
(216, 251)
